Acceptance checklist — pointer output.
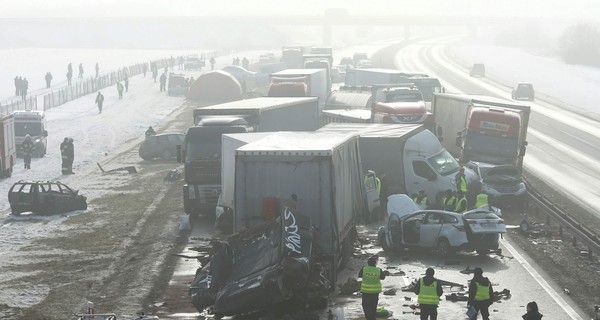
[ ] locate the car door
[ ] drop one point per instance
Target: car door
(411, 228)
(394, 230)
(430, 229)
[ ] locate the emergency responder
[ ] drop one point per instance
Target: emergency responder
(461, 202)
(48, 79)
(99, 101)
(421, 200)
(371, 286)
(120, 89)
(480, 294)
(429, 291)
(461, 181)
(449, 201)
(532, 312)
(481, 200)
(150, 131)
(67, 153)
(27, 149)
(212, 63)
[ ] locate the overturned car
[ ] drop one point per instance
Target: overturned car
(44, 197)
(261, 268)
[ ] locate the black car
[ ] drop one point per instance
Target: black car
(44, 197)
(477, 70)
(524, 90)
(162, 146)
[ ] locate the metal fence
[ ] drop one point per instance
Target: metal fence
(82, 87)
(10, 105)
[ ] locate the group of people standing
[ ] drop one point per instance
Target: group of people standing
(245, 63)
(21, 87)
(429, 290)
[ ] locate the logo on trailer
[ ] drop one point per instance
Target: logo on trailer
(496, 126)
(290, 228)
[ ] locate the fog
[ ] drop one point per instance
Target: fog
(158, 8)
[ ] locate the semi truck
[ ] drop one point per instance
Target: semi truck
(372, 76)
(411, 157)
(201, 153)
(32, 123)
(316, 173)
(8, 152)
(300, 82)
(481, 128)
(384, 104)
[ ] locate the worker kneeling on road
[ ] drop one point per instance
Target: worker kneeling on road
(371, 287)
(429, 291)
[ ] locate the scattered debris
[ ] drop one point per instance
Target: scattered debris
(383, 313)
(390, 292)
(350, 286)
(467, 271)
(567, 291)
(129, 169)
(457, 296)
(504, 294)
(172, 175)
(451, 262)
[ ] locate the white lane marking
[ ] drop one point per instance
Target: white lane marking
(540, 280)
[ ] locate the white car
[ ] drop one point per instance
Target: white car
(443, 231)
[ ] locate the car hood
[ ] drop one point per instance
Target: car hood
(502, 174)
(401, 205)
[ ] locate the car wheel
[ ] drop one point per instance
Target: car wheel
(443, 247)
(166, 154)
(381, 239)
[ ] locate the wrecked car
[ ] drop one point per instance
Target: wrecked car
(443, 231)
(44, 197)
(502, 183)
(261, 267)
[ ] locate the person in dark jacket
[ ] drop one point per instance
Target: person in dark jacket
(48, 79)
(371, 287)
(429, 291)
(163, 82)
(24, 88)
(80, 71)
(99, 101)
(27, 149)
(120, 89)
(532, 312)
(63, 153)
(126, 84)
(97, 69)
(481, 294)
(150, 132)
(17, 85)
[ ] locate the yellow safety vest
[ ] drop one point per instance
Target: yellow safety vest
(483, 292)
(450, 203)
(423, 201)
(482, 200)
(428, 293)
(371, 282)
(463, 186)
(459, 203)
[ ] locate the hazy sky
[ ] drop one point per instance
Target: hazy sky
(106, 8)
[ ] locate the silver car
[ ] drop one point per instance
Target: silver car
(442, 231)
(162, 146)
(502, 183)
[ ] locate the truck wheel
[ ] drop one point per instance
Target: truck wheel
(482, 252)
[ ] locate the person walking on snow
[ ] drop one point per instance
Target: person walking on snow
(120, 90)
(163, 82)
(48, 79)
(99, 101)
(63, 153)
(371, 287)
(80, 76)
(126, 83)
(212, 63)
(27, 149)
(429, 291)
(481, 294)
(97, 69)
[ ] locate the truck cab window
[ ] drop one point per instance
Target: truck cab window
(423, 170)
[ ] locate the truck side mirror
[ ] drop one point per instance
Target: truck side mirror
(522, 150)
(458, 140)
(45, 133)
(179, 153)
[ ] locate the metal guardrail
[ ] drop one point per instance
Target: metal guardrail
(579, 231)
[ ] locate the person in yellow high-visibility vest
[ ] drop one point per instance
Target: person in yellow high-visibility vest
(481, 294)
(429, 291)
(482, 199)
(371, 287)
(461, 203)
(461, 181)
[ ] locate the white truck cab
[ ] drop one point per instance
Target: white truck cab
(32, 122)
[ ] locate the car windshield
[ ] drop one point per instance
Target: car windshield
(31, 128)
(443, 163)
(502, 173)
